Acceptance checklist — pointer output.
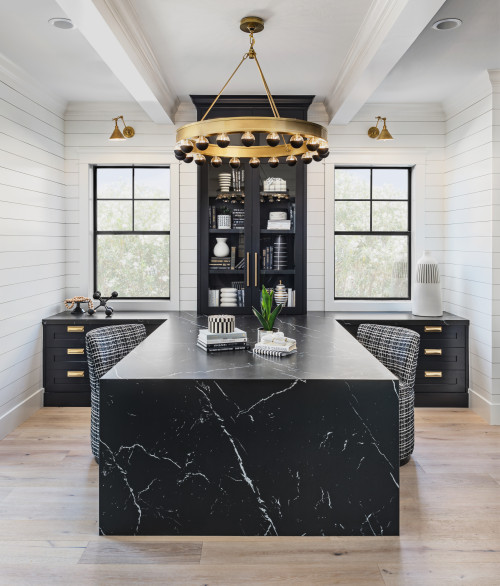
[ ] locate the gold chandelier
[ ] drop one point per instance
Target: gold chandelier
(285, 137)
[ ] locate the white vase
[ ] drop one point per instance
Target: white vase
(221, 248)
(426, 298)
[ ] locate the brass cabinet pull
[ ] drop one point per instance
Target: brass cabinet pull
(71, 329)
(433, 328)
(256, 263)
(76, 351)
(75, 373)
(433, 374)
(433, 352)
(248, 269)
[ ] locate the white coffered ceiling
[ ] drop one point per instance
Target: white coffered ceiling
(158, 52)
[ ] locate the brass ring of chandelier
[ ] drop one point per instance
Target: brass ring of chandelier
(235, 125)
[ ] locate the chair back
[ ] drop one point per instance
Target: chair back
(397, 349)
(105, 348)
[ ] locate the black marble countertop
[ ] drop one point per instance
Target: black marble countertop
(326, 351)
(118, 317)
(399, 316)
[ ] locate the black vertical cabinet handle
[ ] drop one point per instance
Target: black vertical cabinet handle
(256, 265)
(248, 269)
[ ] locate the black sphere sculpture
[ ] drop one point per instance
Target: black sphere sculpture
(103, 301)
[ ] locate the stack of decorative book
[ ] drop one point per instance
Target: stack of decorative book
(220, 263)
(275, 344)
(219, 342)
(239, 218)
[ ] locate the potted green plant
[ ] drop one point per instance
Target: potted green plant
(267, 315)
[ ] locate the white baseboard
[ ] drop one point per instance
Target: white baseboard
(20, 412)
(489, 411)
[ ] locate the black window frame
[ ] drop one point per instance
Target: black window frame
(372, 232)
(121, 232)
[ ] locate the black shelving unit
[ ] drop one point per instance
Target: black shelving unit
(254, 239)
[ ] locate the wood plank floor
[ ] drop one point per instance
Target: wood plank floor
(450, 520)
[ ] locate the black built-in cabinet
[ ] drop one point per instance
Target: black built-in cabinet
(257, 255)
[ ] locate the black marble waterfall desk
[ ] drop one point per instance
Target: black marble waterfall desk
(239, 444)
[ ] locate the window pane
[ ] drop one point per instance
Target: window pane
(134, 265)
(151, 215)
(114, 215)
(390, 183)
(353, 216)
(352, 184)
(390, 216)
(152, 184)
(114, 183)
(371, 266)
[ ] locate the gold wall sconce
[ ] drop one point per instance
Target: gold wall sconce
(117, 134)
(383, 134)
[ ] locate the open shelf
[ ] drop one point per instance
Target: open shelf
(226, 231)
(277, 271)
(264, 231)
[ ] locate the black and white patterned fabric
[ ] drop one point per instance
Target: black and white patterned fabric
(105, 348)
(397, 349)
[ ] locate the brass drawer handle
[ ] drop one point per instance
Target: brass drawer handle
(433, 328)
(433, 374)
(75, 373)
(71, 329)
(76, 351)
(433, 352)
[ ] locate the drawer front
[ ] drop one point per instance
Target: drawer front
(449, 336)
(442, 380)
(73, 378)
(66, 336)
(434, 357)
(71, 358)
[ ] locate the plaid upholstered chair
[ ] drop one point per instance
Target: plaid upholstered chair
(105, 348)
(397, 349)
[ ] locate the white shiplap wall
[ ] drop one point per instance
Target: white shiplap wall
(468, 271)
(32, 238)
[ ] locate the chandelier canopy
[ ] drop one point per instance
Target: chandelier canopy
(292, 138)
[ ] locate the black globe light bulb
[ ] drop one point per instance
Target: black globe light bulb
(186, 145)
(317, 156)
(178, 152)
(247, 139)
(234, 163)
(324, 155)
(189, 158)
(273, 139)
(273, 162)
(222, 140)
(312, 144)
(323, 147)
(216, 162)
(307, 158)
(202, 143)
(199, 159)
(291, 160)
(296, 141)
(254, 162)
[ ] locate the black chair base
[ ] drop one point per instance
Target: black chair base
(404, 460)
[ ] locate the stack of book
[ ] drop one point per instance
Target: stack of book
(267, 257)
(239, 218)
(209, 342)
(279, 224)
(218, 263)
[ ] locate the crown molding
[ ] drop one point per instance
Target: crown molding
(377, 47)
(126, 21)
(29, 87)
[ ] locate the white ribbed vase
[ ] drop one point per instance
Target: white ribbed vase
(426, 298)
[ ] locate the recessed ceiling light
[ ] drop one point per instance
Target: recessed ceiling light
(64, 23)
(446, 24)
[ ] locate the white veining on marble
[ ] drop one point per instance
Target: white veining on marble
(264, 399)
